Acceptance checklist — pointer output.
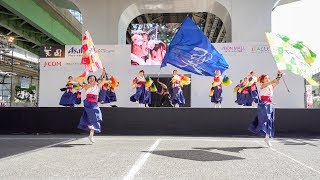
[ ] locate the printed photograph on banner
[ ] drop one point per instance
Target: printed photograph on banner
(150, 41)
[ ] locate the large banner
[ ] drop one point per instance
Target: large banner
(56, 68)
(57, 63)
(150, 41)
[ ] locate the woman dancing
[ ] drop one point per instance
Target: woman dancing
(91, 116)
(263, 124)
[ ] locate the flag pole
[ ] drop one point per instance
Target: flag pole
(285, 84)
(158, 74)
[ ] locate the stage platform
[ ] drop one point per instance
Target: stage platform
(158, 121)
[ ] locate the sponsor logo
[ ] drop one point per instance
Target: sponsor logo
(105, 51)
(74, 52)
(233, 48)
(260, 49)
(52, 63)
(77, 52)
(52, 52)
(73, 63)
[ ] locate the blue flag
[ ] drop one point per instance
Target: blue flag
(190, 50)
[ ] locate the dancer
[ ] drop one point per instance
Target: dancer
(248, 91)
(139, 83)
(236, 90)
(253, 90)
(103, 91)
(244, 97)
(263, 124)
(68, 98)
(177, 97)
(91, 117)
(111, 92)
(165, 100)
(147, 92)
(147, 96)
(77, 94)
(216, 90)
(107, 93)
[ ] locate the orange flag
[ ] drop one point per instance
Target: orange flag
(90, 57)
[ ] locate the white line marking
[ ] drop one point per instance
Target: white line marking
(26, 138)
(241, 139)
(135, 139)
(184, 139)
(35, 150)
(140, 162)
(215, 140)
(172, 139)
(287, 156)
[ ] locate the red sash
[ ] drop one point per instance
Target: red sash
(253, 87)
(92, 98)
(140, 83)
(245, 91)
(105, 87)
(266, 99)
(78, 94)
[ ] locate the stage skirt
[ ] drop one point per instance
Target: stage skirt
(177, 96)
(139, 95)
(77, 97)
(217, 95)
(67, 99)
(254, 93)
(251, 97)
(111, 96)
(90, 116)
(264, 122)
(241, 99)
(103, 96)
(246, 98)
(255, 96)
(147, 97)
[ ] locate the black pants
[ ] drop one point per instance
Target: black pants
(165, 101)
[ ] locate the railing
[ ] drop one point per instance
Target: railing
(66, 15)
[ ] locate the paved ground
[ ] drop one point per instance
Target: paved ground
(121, 157)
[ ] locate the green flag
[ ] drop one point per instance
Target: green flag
(292, 56)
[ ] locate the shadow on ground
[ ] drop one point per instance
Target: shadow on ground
(298, 142)
(195, 155)
(10, 147)
(228, 149)
(69, 145)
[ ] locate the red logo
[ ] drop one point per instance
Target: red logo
(52, 63)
